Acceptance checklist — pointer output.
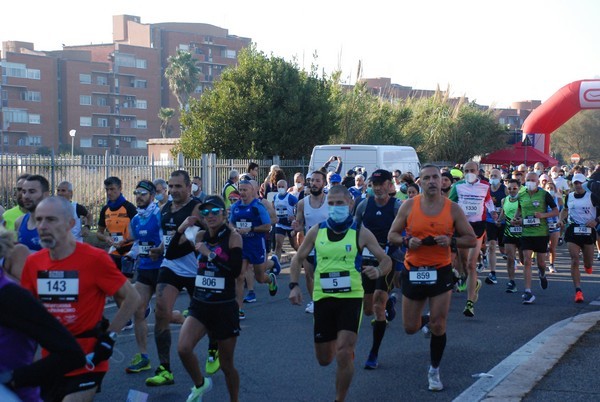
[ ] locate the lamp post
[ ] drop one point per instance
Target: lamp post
(72, 134)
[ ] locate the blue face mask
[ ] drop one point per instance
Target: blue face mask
(370, 192)
(403, 188)
(159, 197)
(339, 213)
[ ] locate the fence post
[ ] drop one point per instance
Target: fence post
(152, 172)
(180, 161)
(106, 163)
(212, 172)
(276, 160)
(52, 171)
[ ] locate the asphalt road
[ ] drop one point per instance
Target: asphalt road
(275, 355)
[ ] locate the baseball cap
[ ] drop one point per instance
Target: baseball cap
(147, 185)
(544, 177)
(456, 173)
(380, 175)
(214, 200)
(580, 177)
(335, 178)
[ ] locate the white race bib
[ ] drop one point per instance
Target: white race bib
(531, 221)
(210, 282)
(472, 207)
(422, 275)
(335, 282)
(243, 225)
(582, 230)
(515, 229)
(58, 286)
(116, 237)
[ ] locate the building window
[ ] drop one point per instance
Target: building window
(15, 116)
(142, 124)
(141, 63)
(140, 83)
(139, 144)
(85, 78)
(101, 101)
(85, 143)
(85, 121)
(102, 122)
(124, 60)
(33, 74)
(31, 141)
(101, 80)
(85, 100)
(229, 54)
(102, 142)
(16, 70)
(183, 47)
(141, 104)
(31, 96)
(35, 119)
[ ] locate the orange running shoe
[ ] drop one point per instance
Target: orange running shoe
(588, 270)
(579, 296)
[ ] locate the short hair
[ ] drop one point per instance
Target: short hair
(321, 173)
(298, 174)
(64, 206)
(252, 166)
(113, 180)
(160, 182)
(343, 190)
(359, 176)
(42, 180)
(398, 172)
(233, 174)
(415, 186)
(24, 176)
(66, 183)
(197, 178)
(184, 174)
(514, 181)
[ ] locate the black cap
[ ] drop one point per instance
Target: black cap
(448, 175)
(147, 185)
(214, 200)
(380, 175)
(350, 172)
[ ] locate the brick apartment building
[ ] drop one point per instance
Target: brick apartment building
(109, 93)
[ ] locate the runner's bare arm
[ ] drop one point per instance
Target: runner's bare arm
(367, 239)
(466, 236)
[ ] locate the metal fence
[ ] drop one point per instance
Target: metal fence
(87, 173)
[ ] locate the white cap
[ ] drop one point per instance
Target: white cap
(580, 177)
(544, 177)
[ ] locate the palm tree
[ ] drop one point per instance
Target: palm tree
(182, 74)
(165, 115)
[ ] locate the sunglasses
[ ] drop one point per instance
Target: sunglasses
(233, 200)
(141, 192)
(213, 211)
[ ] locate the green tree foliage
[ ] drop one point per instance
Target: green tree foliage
(165, 115)
(578, 135)
(182, 74)
(264, 107)
(446, 130)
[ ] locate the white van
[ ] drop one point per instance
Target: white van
(369, 157)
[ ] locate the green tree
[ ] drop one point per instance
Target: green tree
(265, 106)
(182, 74)
(165, 115)
(579, 135)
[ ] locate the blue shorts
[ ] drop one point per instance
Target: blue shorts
(254, 251)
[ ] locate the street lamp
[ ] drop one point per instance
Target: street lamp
(72, 134)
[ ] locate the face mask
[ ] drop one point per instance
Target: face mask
(554, 175)
(494, 182)
(159, 197)
(552, 193)
(281, 191)
(339, 213)
(513, 198)
(531, 185)
(299, 185)
(194, 187)
(539, 172)
(471, 178)
(370, 192)
(403, 188)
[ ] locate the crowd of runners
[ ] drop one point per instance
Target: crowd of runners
(363, 242)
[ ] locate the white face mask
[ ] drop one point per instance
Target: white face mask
(299, 185)
(531, 185)
(539, 172)
(281, 191)
(471, 178)
(194, 187)
(494, 182)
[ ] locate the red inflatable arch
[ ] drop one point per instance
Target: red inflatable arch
(564, 104)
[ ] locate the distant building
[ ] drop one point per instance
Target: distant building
(109, 93)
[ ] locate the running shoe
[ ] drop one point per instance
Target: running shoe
(212, 362)
(551, 269)
(371, 363)
(435, 384)
(425, 326)
(197, 392)
(528, 298)
(477, 287)
(511, 287)
(560, 241)
(310, 308)
(276, 265)
(390, 307)
(185, 313)
(480, 267)
(162, 377)
(461, 285)
(504, 256)
(579, 296)
(589, 270)
(543, 279)
(273, 284)
(242, 315)
(598, 256)
(491, 279)
(148, 310)
(128, 325)
(484, 260)
(138, 363)
(250, 297)
(469, 310)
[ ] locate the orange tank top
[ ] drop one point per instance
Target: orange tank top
(420, 226)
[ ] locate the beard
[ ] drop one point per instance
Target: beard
(48, 243)
(315, 191)
(446, 189)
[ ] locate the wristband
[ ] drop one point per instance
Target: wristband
(406, 240)
(453, 242)
(252, 228)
